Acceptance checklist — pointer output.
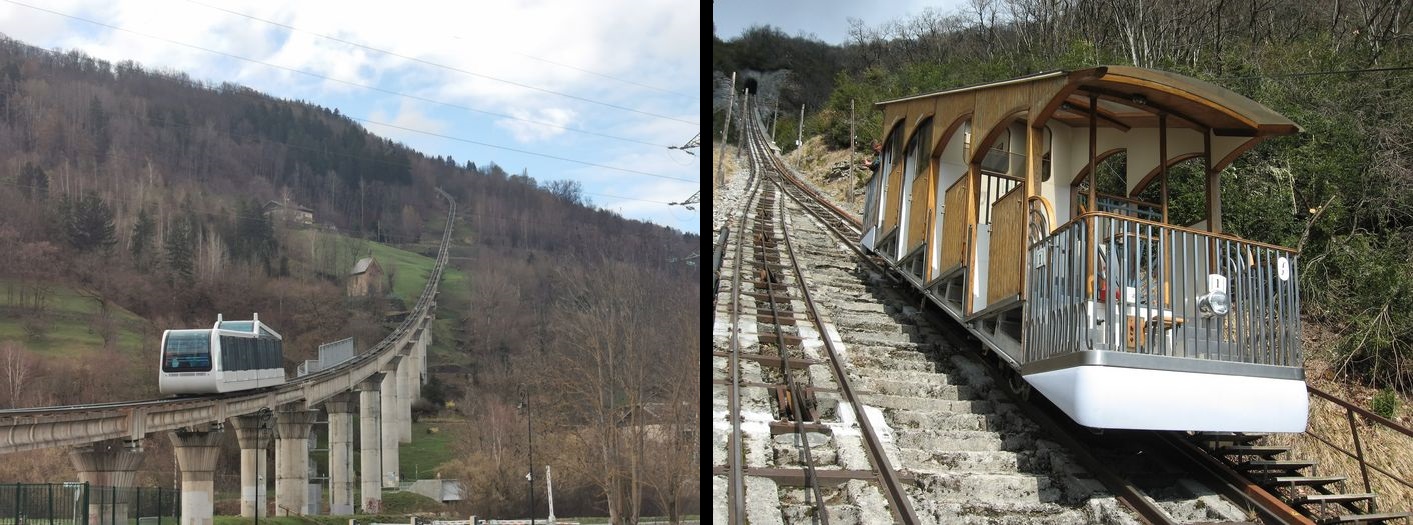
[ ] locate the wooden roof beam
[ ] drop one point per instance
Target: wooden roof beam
(1105, 115)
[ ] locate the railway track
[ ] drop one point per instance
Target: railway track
(942, 421)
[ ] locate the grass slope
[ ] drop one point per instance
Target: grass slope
(71, 315)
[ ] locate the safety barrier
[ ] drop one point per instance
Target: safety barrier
(83, 504)
(1110, 282)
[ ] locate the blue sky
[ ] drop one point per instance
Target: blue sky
(627, 69)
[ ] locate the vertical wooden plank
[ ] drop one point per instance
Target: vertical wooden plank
(1007, 246)
(954, 224)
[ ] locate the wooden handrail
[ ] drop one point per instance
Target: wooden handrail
(1086, 215)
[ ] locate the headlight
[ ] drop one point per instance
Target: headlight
(1213, 304)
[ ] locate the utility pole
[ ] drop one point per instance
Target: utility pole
(549, 489)
(849, 194)
(725, 132)
(800, 138)
(741, 126)
(774, 117)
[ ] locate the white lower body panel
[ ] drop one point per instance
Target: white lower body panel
(1133, 398)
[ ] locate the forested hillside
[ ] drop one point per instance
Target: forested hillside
(1342, 191)
(141, 194)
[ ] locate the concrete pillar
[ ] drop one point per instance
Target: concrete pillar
(340, 409)
(111, 463)
(370, 439)
(391, 405)
(254, 433)
(292, 427)
(197, 450)
(405, 380)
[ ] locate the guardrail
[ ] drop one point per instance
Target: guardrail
(1362, 449)
(1110, 282)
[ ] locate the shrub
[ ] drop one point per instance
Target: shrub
(1385, 403)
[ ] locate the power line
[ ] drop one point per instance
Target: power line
(625, 81)
(331, 79)
(446, 67)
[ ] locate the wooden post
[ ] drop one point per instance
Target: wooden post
(853, 180)
(1089, 251)
(1214, 186)
(1093, 151)
(1163, 160)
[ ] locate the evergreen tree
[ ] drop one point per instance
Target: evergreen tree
(34, 183)
(98, 129)
(254, 238)
(180, 248)
(88, 223)
(141, 236)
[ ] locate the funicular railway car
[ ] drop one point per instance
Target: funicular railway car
(229, 356)
(987, 201)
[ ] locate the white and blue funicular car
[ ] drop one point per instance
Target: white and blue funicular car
(229, 356)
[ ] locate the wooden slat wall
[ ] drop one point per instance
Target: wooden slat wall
(918, 211)
(895, 198)
(1007, 243)
(954, 224)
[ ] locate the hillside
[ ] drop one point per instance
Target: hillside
(147, 190)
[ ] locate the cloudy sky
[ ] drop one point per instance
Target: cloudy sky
(607, 82)
(827, 20)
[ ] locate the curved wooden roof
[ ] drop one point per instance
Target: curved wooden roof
(1132, 97)
(1201, 103)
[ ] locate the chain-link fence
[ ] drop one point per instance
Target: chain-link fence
(82, 504)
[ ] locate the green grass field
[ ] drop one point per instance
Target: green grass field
(426, 452)
(70, 315)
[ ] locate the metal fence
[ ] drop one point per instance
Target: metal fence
(1109, 282)
(82, 504)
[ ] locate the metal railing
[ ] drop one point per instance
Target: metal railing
(84, 504)
(1120, 206)
(1111, 282)
(1363, 450)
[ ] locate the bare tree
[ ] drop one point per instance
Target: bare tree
(18, 367)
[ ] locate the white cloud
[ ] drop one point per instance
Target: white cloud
(409, 117)
(525, 132)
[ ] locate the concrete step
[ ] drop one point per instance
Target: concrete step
(940, 420)
(908, 376)
(961, 487)
(989, 461)
(879, 323)
(951, 440)
(851, 306)
(916, 388)
(868, 359)
(895, 340)
(977, 406)
(1009, 513)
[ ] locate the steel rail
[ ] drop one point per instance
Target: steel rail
(735, 488)
(756, 151)
(888, 477)
(797, 412)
